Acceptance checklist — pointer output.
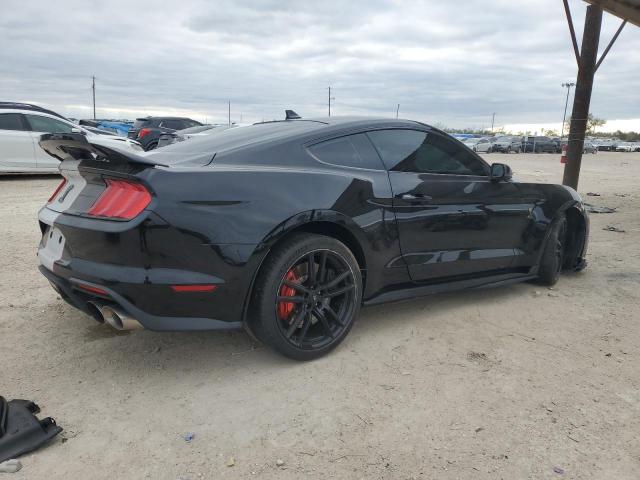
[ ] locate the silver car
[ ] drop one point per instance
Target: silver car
(507, 144)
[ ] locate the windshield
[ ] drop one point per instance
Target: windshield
(140, 122)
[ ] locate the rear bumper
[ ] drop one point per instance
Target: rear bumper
(143, 265)
(71, 294)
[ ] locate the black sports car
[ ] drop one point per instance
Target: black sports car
(286, 228)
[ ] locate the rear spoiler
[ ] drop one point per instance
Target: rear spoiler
(75, 146)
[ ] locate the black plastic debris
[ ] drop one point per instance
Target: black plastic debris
(20, 430)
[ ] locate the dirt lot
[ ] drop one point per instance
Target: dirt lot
(503, 383)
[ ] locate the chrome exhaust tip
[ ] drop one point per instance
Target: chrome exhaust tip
(94, 310)
(118, 319)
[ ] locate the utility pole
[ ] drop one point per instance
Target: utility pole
(568, 85)
(397, 110)
(93, 90)
(493, 119)
(330, 98)
(229, 112)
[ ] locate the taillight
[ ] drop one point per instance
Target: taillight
(143, 132)
(121, 199)
(57, 190)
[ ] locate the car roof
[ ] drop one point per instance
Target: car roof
(303, 131)
(29, 107)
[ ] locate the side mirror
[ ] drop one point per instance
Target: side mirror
(78, 130)
(500, 171)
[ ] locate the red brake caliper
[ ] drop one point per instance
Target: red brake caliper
(285, 308)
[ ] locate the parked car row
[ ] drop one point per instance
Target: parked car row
(21, 126)
(513, 144)
(539, 144)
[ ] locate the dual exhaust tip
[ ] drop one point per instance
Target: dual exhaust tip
(113, 315)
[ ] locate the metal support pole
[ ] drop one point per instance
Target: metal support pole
(566, 102)
(582, 96)
(93, 90)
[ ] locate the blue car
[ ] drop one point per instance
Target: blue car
(119, 128)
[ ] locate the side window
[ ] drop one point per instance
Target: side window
(48, 125)
(174, 124)
(10, 121)
(419, 152)
(350, 151)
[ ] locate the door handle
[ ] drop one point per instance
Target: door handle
(416, 198)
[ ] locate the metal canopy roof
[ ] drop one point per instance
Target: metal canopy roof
(628, 10)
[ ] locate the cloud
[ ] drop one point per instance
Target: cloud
(452, 63)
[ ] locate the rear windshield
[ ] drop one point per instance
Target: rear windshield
(230, 139)
(140, 122)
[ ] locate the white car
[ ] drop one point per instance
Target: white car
(20, 130)
(625, 147)
(484, 145)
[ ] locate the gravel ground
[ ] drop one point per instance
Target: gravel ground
(511, 382)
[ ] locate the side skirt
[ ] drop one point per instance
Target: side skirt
(422, 290)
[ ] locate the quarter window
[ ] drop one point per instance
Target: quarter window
(10, 121)
(48, 125)
(421, 152)
(350, 151)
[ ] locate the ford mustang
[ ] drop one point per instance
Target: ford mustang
(287, 228)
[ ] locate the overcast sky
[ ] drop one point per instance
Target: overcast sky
(446, 63)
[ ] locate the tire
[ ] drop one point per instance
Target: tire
(552, 258)
(325, 306)
(508, 149)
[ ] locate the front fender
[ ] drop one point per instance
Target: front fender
(576, 204)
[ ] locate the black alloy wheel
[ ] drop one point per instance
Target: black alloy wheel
(552, 260)
(307, 296)
(315, 300)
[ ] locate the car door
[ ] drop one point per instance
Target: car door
(17, 150)
(40, 124)
(483, 145)
(452, 219)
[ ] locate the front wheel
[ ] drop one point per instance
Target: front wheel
(307, 296)
(552, 258)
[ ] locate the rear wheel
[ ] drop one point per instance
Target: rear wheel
(307, 296)
(553, 255)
